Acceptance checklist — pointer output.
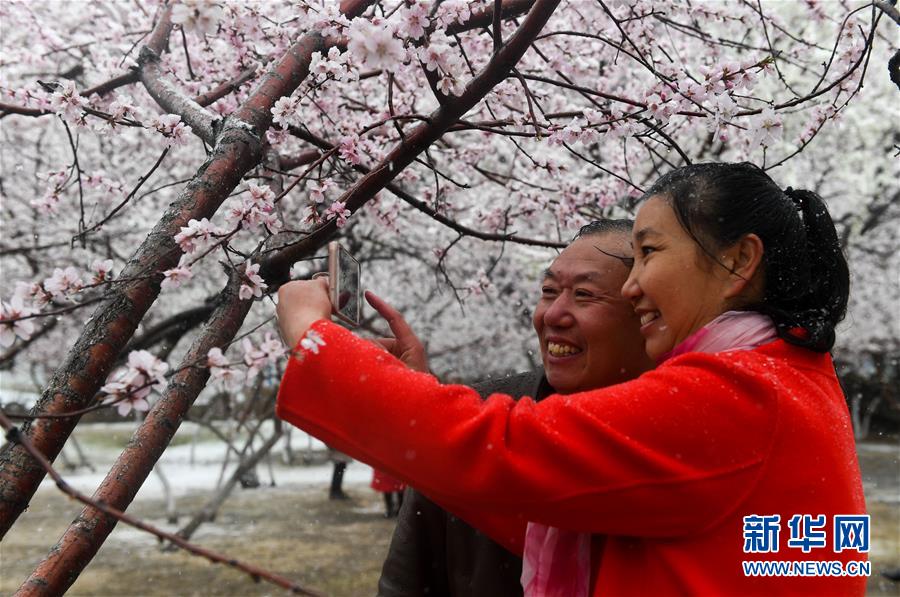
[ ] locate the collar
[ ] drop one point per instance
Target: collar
(732, 330)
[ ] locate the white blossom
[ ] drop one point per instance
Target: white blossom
(201, 16)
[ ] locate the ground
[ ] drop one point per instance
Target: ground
(333, 547)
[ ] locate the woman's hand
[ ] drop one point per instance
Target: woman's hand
(300, 304)
(404, 345)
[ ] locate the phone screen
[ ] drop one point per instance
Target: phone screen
(346, 292)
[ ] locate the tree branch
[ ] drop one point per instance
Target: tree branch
(276, 267)
(89, 362)
(14, 436)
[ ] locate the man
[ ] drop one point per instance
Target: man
(589, 338)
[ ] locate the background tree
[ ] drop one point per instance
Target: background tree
(167, 166)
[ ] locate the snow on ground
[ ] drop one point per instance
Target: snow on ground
(196, 466)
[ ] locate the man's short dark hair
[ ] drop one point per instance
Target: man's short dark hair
(605, 225)
(609, 226)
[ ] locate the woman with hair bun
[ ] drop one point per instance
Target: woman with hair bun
(736, 449)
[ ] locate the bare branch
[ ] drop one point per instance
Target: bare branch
(14, 436)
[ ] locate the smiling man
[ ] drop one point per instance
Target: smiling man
(589, 338)
(588, 332)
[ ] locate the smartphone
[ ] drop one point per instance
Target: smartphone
(343, 283)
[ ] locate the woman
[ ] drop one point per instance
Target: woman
(662, 485)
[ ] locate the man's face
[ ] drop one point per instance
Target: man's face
(588, 332)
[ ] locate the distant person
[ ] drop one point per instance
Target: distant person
(433, 552)
(339, 462)
(737, 449)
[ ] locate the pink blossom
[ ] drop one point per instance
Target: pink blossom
(451, 12)
(479, 283)
(215, 358)
(102, 271)
(450, 86)
(195, 235)
(254, 358)
(227, 377)
(327, 19)
(32, 292)
(221, 371)
(338, 210)
(261, 196)
(332, 66)
(121, 109)
(349, 149)
(63, 282)
(10, 329)
(767, 128)
(568, 134)
(284, 111)
(435, 56)
(127, 397)
(48, 204)
(175, 277)
(94, 179)
(255, 209)
(67, 102)
(133, 384)
(144, 363)
(272, 347)
(414, 21)
(171, 127)
(255, 284)
(318, 189)
(374, 45)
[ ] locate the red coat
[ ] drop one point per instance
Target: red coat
(383, 482)
(662, 469)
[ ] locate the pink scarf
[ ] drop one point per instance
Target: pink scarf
(557, 562)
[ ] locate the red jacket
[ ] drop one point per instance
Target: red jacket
(662, 468)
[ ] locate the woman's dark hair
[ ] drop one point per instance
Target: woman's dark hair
(807, 282)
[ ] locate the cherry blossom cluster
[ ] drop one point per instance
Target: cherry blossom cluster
(609, 96)
(130, 386)
(255, 210)
(223, 373)
(171, 127)
(231, 375)
(253, 286)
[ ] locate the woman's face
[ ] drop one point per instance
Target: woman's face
(674, 287)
